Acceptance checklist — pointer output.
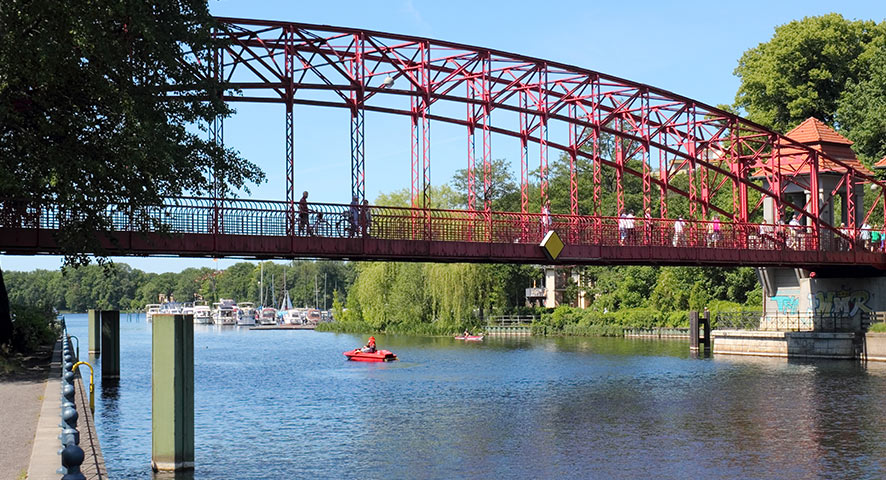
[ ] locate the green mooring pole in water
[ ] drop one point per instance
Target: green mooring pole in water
(172, 391)
(95, 345)
(110, 343)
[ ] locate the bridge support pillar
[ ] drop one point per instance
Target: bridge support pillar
(800, 300)
(110, 320)
(95, 347)
(172, 393)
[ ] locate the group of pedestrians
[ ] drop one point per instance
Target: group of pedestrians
(357, 220)
(713, 232)
(869, 237)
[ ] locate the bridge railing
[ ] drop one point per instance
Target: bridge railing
(272, 218)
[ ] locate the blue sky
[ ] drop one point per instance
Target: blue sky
(690, 48)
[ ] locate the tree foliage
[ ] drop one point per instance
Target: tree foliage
(825, 67)
(86, 118)
(121, 287)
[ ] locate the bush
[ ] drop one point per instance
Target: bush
(32, 328)
(641, 318)
(679, 318)
(878, 328)
(593, 330)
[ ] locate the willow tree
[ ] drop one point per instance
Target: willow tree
(86, 121)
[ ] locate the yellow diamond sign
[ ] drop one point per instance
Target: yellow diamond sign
(552, 245)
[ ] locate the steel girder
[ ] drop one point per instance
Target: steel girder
(529, 97)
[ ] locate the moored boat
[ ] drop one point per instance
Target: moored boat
(312, 316)
(291, 317)
(246, 314)
(268, 316)
(202, 315)
(359, 355)
(225, 312)
(151, 309)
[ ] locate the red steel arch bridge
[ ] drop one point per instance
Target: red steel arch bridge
(729, 171)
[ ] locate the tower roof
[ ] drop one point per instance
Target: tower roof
(815, 134)
(814, 131)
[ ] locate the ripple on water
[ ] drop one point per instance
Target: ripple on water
(286, 404)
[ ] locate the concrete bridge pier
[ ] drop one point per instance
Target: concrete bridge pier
(172, 393)
(811, 314)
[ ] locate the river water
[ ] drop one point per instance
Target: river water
(286, 404)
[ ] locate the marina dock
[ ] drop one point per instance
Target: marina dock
(283, 327)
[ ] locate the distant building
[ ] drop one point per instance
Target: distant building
(554, 292)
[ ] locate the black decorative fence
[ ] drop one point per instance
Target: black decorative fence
(786, 322)
(72, 455)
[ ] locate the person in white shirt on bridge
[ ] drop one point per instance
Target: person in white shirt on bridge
(678, 231)
(793, 231)
(622, 227)
(545, 217)
(629, 226)
(865, 235)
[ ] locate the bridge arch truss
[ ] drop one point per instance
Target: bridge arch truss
(553, 106)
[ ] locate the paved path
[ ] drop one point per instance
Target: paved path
(21, 398)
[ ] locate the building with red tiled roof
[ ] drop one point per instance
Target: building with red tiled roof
(881, 163)
(794, 160)
(815, 134)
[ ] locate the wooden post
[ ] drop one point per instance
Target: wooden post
(95, 341)
(693, 331)
(110, 320)
(172, 393)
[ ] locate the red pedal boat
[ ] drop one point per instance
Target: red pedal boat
(376, 356)
(470, 338)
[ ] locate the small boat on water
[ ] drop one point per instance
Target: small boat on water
(225, 312)
(151, 309)
(359, 355)
(246, 314)
(470, 338)
(166, 308)
(202, 315)
(268, 316)
(291, 317)
(312, 316)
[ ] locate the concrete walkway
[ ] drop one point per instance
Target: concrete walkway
(21, 396)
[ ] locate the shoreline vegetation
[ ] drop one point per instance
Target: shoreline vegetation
(412, 298)
(563, 321)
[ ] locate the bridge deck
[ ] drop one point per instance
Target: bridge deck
(197, 228)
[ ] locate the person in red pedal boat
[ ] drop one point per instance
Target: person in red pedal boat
(370, 346)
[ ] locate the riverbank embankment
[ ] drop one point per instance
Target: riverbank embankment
(44, 458)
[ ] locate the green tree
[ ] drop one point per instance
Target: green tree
(802, 71)
(503, 194)
(87, 120)
(442, 196)
(825, 67)
(862, 107)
